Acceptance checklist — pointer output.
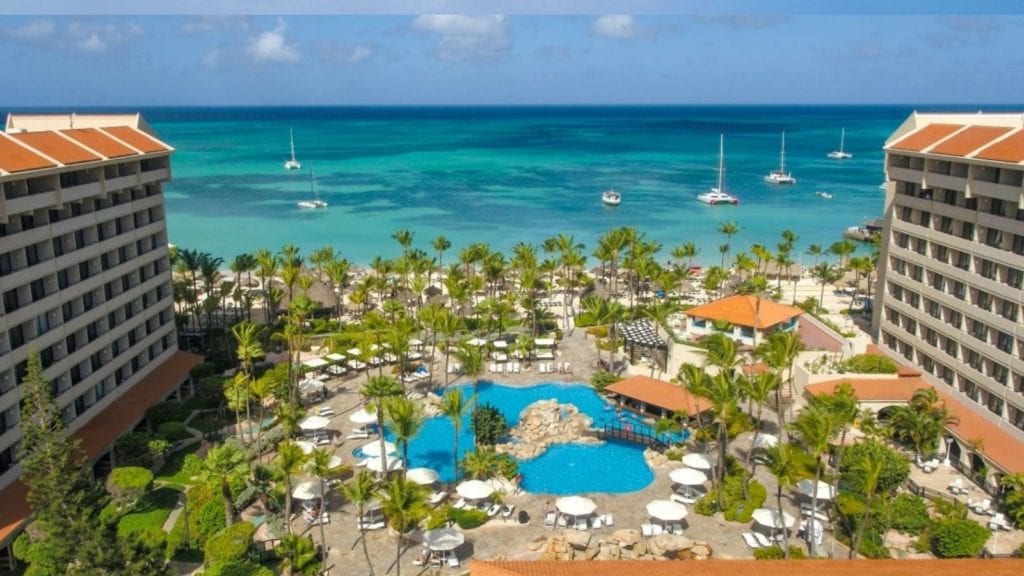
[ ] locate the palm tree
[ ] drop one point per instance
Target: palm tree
(406, 418)
(404, 505)
(695, 381)
(779, 351)
(377, 391)
(448, 324)
(288, 463)
(730, 229)
(361, 490)
(249, 349)
(781, 460)
(816, 427)
(816, 251)
(843, 249)
(319, 466)
(757, 388)
(826, 274)
(224, 463)
(867, 472)
(404, 239)
(440, 244)
(296, 553)
(454, 406)
(473, 359)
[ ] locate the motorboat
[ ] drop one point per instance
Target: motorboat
(780, 176)
(292, 163)
(315, 202)
(825, 195)
(718, 195)
(841, 154)
(611, 198)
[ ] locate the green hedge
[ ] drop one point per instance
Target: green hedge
(205, 518)
(870, 364)
(128, 484)
(237, 568)
(908, 513)
(229, 545)
(468, 518)
(775, 553)
(173, 431)
(959, 538)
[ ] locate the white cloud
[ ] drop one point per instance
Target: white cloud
(32, 31)
(205, 24)
(617, 26)
(87, 36)
(740, 21)
(342, 53)
(272, 46)
(92, 43)
(211, 59)
(465, 37)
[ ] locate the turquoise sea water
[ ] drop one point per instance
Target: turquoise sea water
(503, 175)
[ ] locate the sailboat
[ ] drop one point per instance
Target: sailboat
(780, 176)
(840, 154)
(292, 163)
(718, 195)
(315, 202)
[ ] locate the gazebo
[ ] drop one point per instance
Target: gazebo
(642, 336)
(742, 317)
(656, 397)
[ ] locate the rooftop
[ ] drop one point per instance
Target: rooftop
(993, 137)
(657, 393)
(747, 568)
(746, 310)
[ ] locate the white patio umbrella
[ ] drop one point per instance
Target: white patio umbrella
(765, 441)
(666, 510)
(423, 476)
(377, 465)
(825, 491)
(334, 462)
(363, 417)
(308, 490)
(314, 423)
(770, 517)
(306, 447)
(311, 386)
(354, 352)
(444, 539)
(335, 357)
(474, 489)
(372, 449)
(476, 342)
(688, 476)
(698, 461)
(415, 342)
(575, 505)
(500, 344)
(315, 363)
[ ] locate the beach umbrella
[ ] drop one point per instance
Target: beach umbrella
(501, 344)
(666, 510)
(372, 449)
(306, 447)
(308, 490)
(423, 476)
(476, 342)
(575, 505)
(764, 441)
(363, 417)
(314, 423)
(444, 539)
(824, 490)
(770, 517)
(315, 363)
(311, 386)
(688, 476)
(334, 462)
(698, 461)
(377, 465)
(335, 357)
(474, 489)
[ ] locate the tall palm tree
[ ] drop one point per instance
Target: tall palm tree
(224, 463)
(247, 337)
(867, 472)
(361, 490)
(815, 251)
(288, 463)
(473, 359)
(826, 274)
(730, 229)
(440, 244)
(406, 418)
(296, 554)
(757, 388)
(454, 406)
(404, 239)
(319, 466)
(404, 505)
(377, 391)
(695, 380)
(816, 426)
(843, 249)
(779, 351)
(781, 460)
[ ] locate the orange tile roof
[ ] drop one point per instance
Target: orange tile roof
(925, 137)
(657, 393)
(969, 140)
(1010, 149)
(104, 428)
(55, 146)
(888, 567)
(136, 139)
(872, 389)
(743, 310)
(15, 158)
(100, 142)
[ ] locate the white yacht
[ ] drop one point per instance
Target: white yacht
(823, 195)
(611, 198)
(841, 154)
(292, 163)
(717, 195)
(315, 202)
(780, 176)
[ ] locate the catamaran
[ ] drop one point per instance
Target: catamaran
(611, 198)
(718, 195)
(292, 163)
(780, 176)
(315, 202)
(840, 154)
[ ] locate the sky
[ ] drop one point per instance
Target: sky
(328, 52)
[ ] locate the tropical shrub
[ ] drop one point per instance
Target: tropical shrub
(133, 449)
(467, 518)
(230, 544)
(869, 364)
(895, 469)
(173, 431)
(192, 466)
(438, 518)
(1013, 497)
(128, 484)
(706, 504)
(205, 518)
(908, 513)
(601, 380)
(775, 553)
(167, 411)
(237, 568)
(738, 509)
(674, 454)
(488, 424)
(958, 538)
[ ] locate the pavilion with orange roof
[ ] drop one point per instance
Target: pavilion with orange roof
(742, 317)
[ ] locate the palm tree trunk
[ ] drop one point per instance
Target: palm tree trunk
(722, 440)
(380, 432)
(398, 556)
(814, 507)
(225, 491)
(362, 536)
(455, 454)
(785, 533)
(323, 510)
(859, 536)
(288, 503)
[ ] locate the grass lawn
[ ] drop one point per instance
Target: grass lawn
(171, 473)
(152, 512)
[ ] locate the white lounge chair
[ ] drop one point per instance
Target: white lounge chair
(762, 539)
(366, 525)
(453, 561)
(608, 519)
(677, 528)
(358, 436)
(437, 497)
(506, 511)
(647, 530)
(460, 503)
(999, 522)
(549, 520)
(581, 524)
(597, 522)
(493, 510)
(562, 522)
(752, 542)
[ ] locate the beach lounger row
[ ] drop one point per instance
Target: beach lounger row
(756, 540)
(510, 368)
(553, 368)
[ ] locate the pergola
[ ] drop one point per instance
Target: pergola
(644, 334)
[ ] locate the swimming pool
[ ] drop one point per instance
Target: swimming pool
(564, 468)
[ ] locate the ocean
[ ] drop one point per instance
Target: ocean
(502, 175)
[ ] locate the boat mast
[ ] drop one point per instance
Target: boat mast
(782, 155)
(312, 184)
(842, 139)
(721, 161)
(291, 140)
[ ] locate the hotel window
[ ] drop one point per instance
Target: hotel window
(894, 316)
(947, 374)
(994, 404)
(995, 206)
(955, 319)
(902, 240)
(1004, 342)
(920, 246)
(914, 299)
(908, 351)
(925, 219)
(963, 260)
(983, 300)
(946, 225)
(906, 213)
(1014, 277)
(933, 308)
(994, 237)
(1018, 418)
(971, 203)
(979, 330)
(951, 347)
(1009, 310)
(917, 273)
(899, 266)
(967, 229)
(942, 254)
(1018, 244)
(897, 292)
(970, 390)
(939, 282)
(1000, 373)
(910, 326)
(931, 337)
(988, 269)
(959, 290)
(928, 364)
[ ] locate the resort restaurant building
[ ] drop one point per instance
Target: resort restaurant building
(656, 398)
(744, 318)
(951, 268)
(86, 282)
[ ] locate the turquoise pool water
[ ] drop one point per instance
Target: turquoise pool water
(563, 469)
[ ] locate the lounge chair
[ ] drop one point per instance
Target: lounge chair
(506, 511)
(367, 525)
(762, 540)
(682, 499)
(358, 436)
(493, 510)
(437, 497)
(453, 561)
(549, 520)
(1000, 522)
(325, 411)
(324, 518)
(542, 368)
(983, 507)
(608, 519)
(647, 530)
(657, 529)
(562, 521)
(581, 524)
(568, 368)
(752, 542)
(677, 528)
(596, 523)
(460, 503)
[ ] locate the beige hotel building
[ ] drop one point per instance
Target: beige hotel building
(85, 279)
(951, 274)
